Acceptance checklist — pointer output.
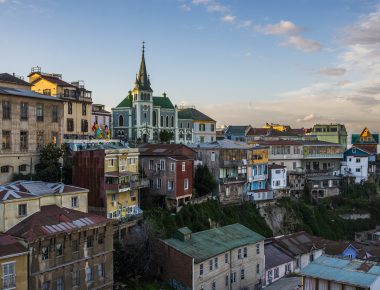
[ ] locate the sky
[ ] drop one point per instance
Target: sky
(296, 62)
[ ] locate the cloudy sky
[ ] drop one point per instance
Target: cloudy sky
(295, 62)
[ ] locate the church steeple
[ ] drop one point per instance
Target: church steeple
(142, 82)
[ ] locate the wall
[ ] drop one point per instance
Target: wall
(281, 272)
(21, 269)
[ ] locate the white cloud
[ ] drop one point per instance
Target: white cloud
(283, 27)
(309, 117)
(2, 1)
(301, 43)
(228, 19)
(332, 71)
(245, 24)
(185, 7)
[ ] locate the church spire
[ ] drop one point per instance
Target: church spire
(142, 81)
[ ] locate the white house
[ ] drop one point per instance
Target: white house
(277, 176)
(355, 164)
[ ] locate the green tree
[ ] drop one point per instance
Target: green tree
(166, 136)
(49, 168)
(204, 182)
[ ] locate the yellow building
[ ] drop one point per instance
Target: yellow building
(77, 101)
(21, 199)
(278, 127)
(13, 263)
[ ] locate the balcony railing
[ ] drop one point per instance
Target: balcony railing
(76, 97)
(239, 178)
(122, 187)
(324, 156)
(259, 177)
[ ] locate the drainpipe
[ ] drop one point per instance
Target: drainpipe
(192, 265)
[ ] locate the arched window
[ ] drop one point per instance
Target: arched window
(172, 121)
(167, 121)
(154, 118)
(121, 121)
(162, 121)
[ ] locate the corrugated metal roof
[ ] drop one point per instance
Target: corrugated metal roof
(209, 243)
(352, 272)
(26, 93)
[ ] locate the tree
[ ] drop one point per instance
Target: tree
(204, 182)
(166, 136)
(49, 168)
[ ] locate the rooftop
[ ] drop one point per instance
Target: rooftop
(193, 114)
(274, 256)
(10, 246)
(8, 78)
(171, 150)
(206, 244)
(353, 272)
(226, 144)
(26, 93)
(238, 130)
(299, 243)
(51, 220)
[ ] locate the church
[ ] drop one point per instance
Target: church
(141, 117)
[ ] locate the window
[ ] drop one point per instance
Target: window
(210, 264)
(258, 268)
(288, 268)
(233, 277)
(226, 258)
(257, 248)
(23, 140)
(69, 107)
(113, 197)
(239, 254)
(154, 118)
(6, 110)
(40, 139)
(70, 125)
(212, 127)
(6, 140)
(151, 183)
(22, 209)
(357, 160)
(242, 274)
(167, 121)
(59, 250)
(121, 121)
(54, 114)
(200, 269)
(170, 185)
(151, 164)
(84, 109)
(245, 252)
(216, 263)
(213, 156)
(162, 164)
(5, 169)
(311, 257)
(47, 92)
(75, 278)
(40, 112)
(101, 270)
(159, 183)
(9, 280)
(226, 283)
(357, 169)
(89, 274)
(45, 253)
(74, 201)
(22, 168)
(46, 285)
(60, 285)
(89, 241)
(24, 111)
(172, 166)
(186, 184)
(183, 166)
(213, 285)
(84, 125)
(162, 121)
(74, 245)
(202, 127)
(276, 273)
(101, 237)
(172, 122)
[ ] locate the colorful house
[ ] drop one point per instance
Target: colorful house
(366, 141)
(356, 164)
(334, 133)
(101, 122)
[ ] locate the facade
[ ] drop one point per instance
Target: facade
(278, 180)
(278, 263)
(77, 101)
(20, 199)
(339, 273)
(140, 117)
(366, 141)
(13, 263)
(227, 162)
(169, 169)
(202, 126)
(100, 122)
(230, 257)
(334, 133)
(28, 121)
(323, 186)
(111, 172)
(236, 133)
(68, 249)
(355, 164)
(302, 247)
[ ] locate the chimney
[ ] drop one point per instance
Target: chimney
(183, 234)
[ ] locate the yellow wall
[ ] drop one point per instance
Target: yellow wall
(21, 270)
(275, 126)
(122, 199)
(262, 152)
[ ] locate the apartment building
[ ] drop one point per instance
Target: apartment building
(334, 133)
(203, 128)
(278, 179)
(76, 98)
(13, 263)
(28, 121)
(229, 257)
(356, 164)
(68, 249)
(20, 199)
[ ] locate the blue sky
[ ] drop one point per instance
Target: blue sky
(242, 62)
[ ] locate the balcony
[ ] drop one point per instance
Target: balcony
(259, 177)
(237, 179)
(127, 186)
(323, 156)
(74, 97)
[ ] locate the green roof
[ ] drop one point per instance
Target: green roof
(206, 244)
(163, 102)
(193, 114)
(126, 103)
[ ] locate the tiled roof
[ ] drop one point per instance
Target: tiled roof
(25, 93)
(163, 102)
(8, 78)
(56, 81)
(51, 220)
(299, 243)
(236, 130)
(352, 272)
(193, 114)
(274, 256)
(170, 150)
(126, 103)
(10, 245)
(257, 131)
(206, 244)
(223, 144)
